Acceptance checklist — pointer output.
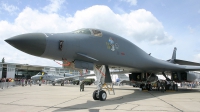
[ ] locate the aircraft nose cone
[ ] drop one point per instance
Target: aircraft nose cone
(31, 43)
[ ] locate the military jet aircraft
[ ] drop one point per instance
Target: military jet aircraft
(99, 50)
(56, 78)
(53, 78)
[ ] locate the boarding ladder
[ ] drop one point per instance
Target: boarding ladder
(109, 88)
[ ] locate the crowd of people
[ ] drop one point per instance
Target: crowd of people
(6, 82)
(164, 85)
(190, 84)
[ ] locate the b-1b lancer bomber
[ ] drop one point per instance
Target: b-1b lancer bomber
(99, 50)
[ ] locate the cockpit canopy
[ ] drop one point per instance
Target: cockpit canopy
(43, 73)
(94, 32)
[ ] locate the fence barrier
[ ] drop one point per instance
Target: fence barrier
(4, 85)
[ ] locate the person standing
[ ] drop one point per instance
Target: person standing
(158, 85)
(40, 82)
(30, 82)
(3, 60)
(165, 85)
(22, 81)
(26, 82)
(162, 86)
(82, 86)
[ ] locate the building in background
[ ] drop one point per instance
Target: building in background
(15, 70)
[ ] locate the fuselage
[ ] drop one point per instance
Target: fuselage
(93, 46)
(48, 77)
(107, 49)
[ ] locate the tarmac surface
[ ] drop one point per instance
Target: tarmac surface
(47, 98)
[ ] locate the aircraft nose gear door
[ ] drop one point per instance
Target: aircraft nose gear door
(101, 74)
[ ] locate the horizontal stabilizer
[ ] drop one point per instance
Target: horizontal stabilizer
(183, 62)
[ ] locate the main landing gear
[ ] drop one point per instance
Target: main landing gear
(62, 83)
(172, 85)
(147, 86)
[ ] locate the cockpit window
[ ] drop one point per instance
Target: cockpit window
(83, 31)
(97, 33)
(43, 73)
(39, 73)
(89, 31)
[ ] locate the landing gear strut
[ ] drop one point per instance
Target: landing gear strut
(62, 83)
(174, 87)
(95, 95)
(146, 87)
(100, 73)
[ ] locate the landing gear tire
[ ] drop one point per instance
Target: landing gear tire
(95, 95)
(102, 95)
(53, 84)
(62, 84)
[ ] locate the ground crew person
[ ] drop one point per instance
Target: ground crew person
(165, 84)
(40, 82)
(162, 86)
(158, 85)
(82, 86)
(30, 82)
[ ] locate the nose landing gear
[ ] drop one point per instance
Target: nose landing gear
(100, 73)
(99, 96)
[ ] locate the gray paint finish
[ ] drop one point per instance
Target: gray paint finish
(109, 49)
(31, 43)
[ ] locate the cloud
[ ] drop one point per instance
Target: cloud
(136, 26)
(54, 6)
(139, 25)
(9, 8)
(131, 2)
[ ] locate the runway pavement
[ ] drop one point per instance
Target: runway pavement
(47, 98)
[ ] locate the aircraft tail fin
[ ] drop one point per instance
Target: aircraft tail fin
(174, 53)
(172, 60)
(181, 62)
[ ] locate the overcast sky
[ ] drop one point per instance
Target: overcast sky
(156, 26)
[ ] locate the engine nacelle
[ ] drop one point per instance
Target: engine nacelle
(143, 77)
(183, 76)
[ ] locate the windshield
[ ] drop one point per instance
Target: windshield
(39, 73)
(83, 31)
(43, 73)
(94, 32)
